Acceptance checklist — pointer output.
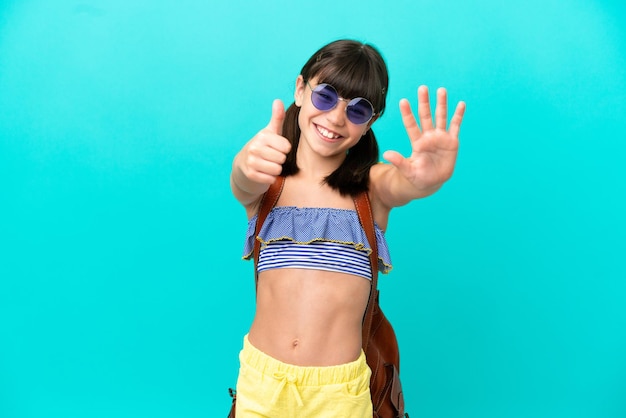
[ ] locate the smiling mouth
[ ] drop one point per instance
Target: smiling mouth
(326, 133)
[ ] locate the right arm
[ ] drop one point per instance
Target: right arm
(260, 161)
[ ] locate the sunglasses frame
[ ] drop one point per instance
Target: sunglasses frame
(339, 98)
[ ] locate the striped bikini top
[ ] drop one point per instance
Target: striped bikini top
(315, 238)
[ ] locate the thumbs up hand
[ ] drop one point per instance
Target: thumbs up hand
(260, 161)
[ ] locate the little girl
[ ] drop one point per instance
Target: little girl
(302, 356)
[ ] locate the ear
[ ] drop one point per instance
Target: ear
(299, 93)
(370, 123)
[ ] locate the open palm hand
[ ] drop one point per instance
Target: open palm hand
(434, 146)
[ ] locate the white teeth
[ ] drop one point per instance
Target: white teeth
(327, 133)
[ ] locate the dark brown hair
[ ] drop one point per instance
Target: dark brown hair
(355, 70)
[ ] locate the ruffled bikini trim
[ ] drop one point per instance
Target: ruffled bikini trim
(336, 225)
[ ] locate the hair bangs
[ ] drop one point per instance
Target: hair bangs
(354, 69)
(352, 79)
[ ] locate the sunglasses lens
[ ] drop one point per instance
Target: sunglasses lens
(360, 111)
(324, 97)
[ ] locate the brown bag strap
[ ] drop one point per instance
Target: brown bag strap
(267, 203)
(364, 211)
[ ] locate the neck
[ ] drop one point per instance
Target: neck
(312, 165)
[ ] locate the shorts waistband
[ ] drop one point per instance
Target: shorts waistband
(305, 375)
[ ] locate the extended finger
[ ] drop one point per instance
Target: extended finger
(441, 111)
(278, 117)
(408, 119)
(455, 122)
(423, 108)
(394, 157)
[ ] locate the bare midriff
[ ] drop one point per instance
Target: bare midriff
(309, 317)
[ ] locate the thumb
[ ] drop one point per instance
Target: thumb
(395, 158)
(278, 117)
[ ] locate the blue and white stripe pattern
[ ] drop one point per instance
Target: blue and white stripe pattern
(318, 255)
(316, 238)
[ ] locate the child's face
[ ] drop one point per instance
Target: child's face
(328, 133)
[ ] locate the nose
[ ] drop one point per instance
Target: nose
(337, 115)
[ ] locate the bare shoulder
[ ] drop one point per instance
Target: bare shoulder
(378, 174)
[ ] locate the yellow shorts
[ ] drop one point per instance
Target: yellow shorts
(269, 388)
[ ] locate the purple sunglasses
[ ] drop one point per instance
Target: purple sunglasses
(325, 98)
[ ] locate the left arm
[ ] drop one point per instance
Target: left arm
(433, 156)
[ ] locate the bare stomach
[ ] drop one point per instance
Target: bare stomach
(309, 317)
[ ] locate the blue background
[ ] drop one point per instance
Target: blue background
(122, 292)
